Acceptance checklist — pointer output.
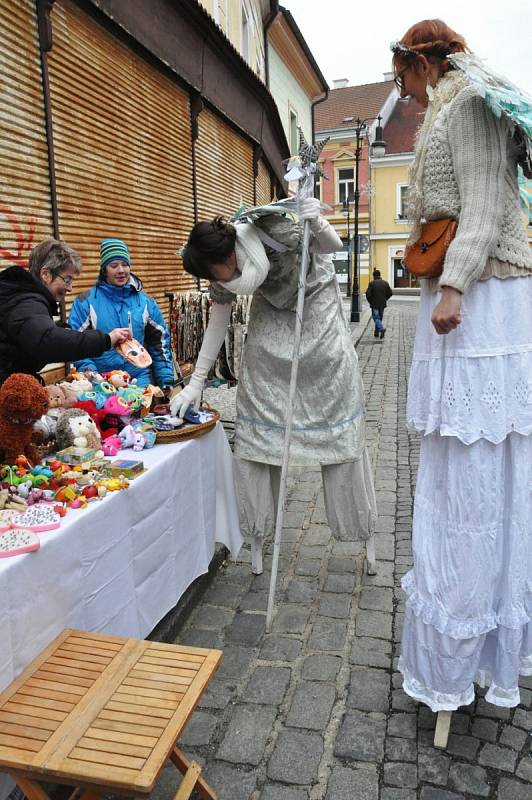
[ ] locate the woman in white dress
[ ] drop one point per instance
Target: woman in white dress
(469, 595)
(262, 258)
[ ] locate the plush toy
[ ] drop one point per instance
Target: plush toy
(138, 436)
(22, 402)
(117, 411)
(76, 429)
(118, 378)
(112, 445)
(80, 386)
(70, 394)
(57, 402)
(132, 438)
(96, 414)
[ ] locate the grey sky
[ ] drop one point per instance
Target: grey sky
(351, 40)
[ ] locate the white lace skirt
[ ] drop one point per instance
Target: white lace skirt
(469, 595)
(475, 382)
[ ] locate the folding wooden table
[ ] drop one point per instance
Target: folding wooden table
(103, 714)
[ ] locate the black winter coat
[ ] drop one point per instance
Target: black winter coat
(377, 293)
(29, 337)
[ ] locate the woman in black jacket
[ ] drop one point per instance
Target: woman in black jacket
(29, 336)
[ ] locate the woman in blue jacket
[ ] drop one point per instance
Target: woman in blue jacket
(117, 300)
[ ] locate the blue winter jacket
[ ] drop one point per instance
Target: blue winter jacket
(106, 307)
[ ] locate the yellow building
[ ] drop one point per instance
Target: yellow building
(336, 118)
(389, 181)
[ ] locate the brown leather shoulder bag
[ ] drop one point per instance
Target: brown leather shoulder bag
(425, 257)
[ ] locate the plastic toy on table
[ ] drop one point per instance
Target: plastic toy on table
(127, 467)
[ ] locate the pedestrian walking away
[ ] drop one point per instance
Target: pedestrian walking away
(378, 293)
(469, 594)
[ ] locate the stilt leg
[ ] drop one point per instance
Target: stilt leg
(256, 555)
(371, 561)
(443, 724)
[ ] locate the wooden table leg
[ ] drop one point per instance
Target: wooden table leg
(188, 784)
(201, 786)
(31, 789)
(443, 724)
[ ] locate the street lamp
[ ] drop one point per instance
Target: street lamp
(378, 149)
(345, 213)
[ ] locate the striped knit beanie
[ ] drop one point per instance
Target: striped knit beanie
(113, 250)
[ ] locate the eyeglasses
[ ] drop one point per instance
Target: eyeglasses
(68, 281)
(399, 79)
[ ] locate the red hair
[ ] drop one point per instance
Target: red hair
(431, 38)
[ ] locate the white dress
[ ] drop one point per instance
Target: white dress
(469, 595)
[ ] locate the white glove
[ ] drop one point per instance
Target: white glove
(212, 341)
(310, 208)
(190, 396)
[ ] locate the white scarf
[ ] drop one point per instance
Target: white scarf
(445, 90)
(252, 262)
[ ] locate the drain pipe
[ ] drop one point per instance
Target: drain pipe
(312, 107)
(270, 19)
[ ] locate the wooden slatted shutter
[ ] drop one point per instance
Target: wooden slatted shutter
(264, 184)
(25, 205)
(122, 152)
(224, 164)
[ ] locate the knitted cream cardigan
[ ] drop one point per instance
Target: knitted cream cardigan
(465, 168)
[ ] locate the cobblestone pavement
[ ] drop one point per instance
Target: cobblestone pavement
(315, 709)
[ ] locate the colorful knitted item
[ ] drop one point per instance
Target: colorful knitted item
(113, 250)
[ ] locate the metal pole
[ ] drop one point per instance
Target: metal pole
(355, 298)
(305, 257)
(348, 288)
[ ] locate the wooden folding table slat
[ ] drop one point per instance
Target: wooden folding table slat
(108, 722)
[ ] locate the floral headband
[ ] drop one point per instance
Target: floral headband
(398, 47)
(438, 50)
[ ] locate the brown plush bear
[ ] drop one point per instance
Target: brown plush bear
(22, 402)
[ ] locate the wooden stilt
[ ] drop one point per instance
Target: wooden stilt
(371, 561)
(256, 555)
(443, 724)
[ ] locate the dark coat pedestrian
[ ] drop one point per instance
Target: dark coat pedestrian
(378, 292)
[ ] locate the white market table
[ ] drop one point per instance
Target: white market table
(120, 565)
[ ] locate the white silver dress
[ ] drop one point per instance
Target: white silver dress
(329, 425)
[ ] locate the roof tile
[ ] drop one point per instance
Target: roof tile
(351, 101)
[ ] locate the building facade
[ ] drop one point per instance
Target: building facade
(242, 22)
(294, 78)
(336, 118)
(389, 179)
(109, 129)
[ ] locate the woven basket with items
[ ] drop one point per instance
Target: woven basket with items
(188, 431)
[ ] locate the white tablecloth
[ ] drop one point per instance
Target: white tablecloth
(121, 564)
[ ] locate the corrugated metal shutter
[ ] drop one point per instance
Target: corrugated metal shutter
(224, 165)
(264, 184)
(25, 207)
(122, 152)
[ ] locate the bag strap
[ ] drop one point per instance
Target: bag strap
(265, 239)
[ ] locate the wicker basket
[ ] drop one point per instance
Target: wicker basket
(189, 431)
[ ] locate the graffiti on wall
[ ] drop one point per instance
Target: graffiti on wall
(22, 239)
